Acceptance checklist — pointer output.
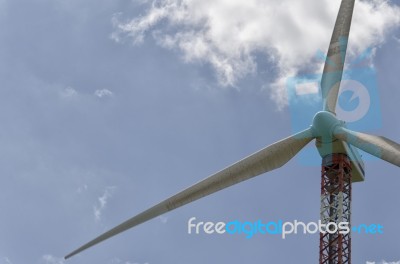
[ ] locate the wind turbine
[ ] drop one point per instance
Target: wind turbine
(336, 144)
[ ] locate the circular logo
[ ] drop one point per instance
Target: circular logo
(354, 101)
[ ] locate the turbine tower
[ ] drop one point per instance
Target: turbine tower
(336, 144)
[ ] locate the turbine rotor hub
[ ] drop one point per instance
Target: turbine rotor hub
(324, 124)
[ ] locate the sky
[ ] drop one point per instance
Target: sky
(108, 107)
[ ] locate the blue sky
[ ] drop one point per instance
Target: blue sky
(108, 107)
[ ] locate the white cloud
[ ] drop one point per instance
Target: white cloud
(103, 93)
(228, 34)
(383, 262)
(102, 202)
(68, 92)
(49, 259)
(119, 261)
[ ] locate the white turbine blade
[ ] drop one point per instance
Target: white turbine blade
(333, 69)
(267, 159)
(378, 146)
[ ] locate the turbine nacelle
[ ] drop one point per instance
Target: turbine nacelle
(324, 127)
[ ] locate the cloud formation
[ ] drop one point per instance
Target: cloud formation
(68, 92)
(228, 35)
(119, 261)
(82, 188)
(102, 202)
(50, 259)
(7, 260)
(383, 262)
(103, 93)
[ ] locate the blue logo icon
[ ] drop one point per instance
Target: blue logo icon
(358, 101)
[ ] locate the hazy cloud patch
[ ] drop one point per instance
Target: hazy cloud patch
(68, 92)
(102, 202)
(49, 259)
(119, 261)
(383, 262)
(82, 188)
(103, 93)
(6, 260)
